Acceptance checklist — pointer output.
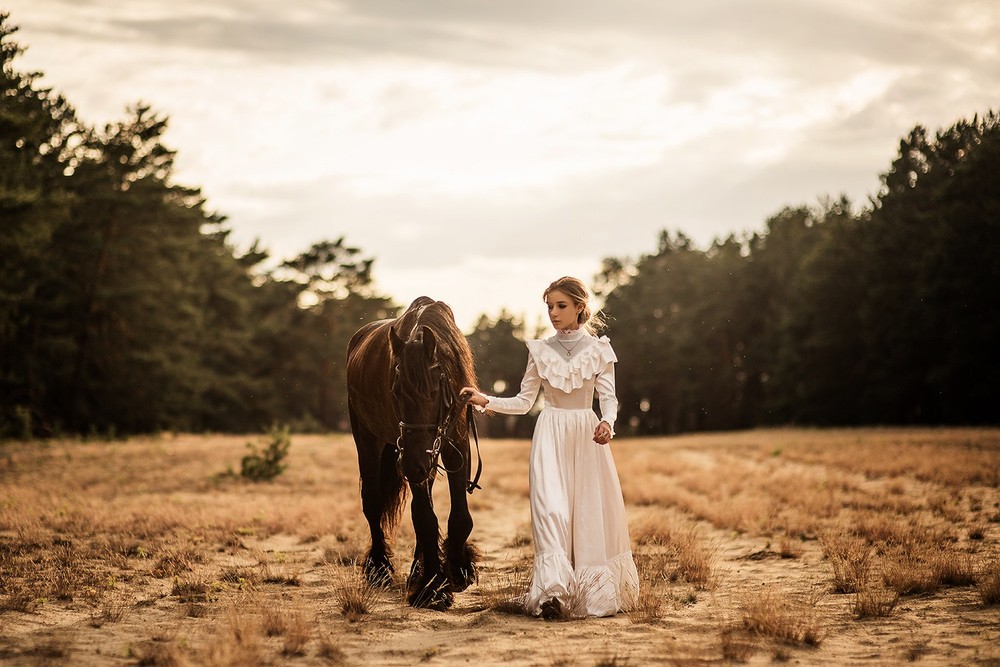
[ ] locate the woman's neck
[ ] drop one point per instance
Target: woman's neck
(569, 334)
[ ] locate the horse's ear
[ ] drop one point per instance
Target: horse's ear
(429, 342)
(395, 341)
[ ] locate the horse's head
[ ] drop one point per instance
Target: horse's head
(421, 394)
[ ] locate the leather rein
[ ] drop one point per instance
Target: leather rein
(442, 427)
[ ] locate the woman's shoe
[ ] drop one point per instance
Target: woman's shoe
(552, 609)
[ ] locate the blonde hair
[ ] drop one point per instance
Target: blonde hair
(575, 289)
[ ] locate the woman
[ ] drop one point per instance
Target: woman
(583, 558)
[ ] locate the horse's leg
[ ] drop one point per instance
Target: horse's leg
(428, 586)
(460, 556)
(416, 568)
(378, 562)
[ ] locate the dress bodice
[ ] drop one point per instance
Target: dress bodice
(576, 399)
(569, 370)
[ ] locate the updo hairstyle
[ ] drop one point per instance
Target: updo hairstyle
(575, 289)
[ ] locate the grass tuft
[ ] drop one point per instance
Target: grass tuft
(653, 595)
(354, 595)
(907, 575)
(329, 652)
(193, 590)
(851, 559)
(782, 616)
(736, 645)
(176, 561)
(238, 641)
(503, 590)
(952, 569)
(789, 548)
(988, 583)
(158, 654)
(695, 561)
(873, 601)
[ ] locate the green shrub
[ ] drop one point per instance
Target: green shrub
(266, 465)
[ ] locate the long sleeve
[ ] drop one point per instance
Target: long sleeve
(606, 395)
(520, 404)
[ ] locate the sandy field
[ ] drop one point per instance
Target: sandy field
(818, 547)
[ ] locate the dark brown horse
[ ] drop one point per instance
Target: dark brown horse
(403, 379)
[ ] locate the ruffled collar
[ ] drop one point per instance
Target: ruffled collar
(570, 373)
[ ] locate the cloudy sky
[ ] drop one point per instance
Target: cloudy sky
(479, 149)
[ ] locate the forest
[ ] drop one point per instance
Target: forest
(126, 308)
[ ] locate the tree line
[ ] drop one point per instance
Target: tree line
(885, 315)
(125, 307)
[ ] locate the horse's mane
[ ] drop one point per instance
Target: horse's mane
(453, 351)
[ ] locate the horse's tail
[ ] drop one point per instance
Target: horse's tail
(393, 490)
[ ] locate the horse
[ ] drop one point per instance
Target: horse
(403, 381)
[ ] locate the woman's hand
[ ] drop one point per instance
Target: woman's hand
(602, 434)
(473, 396)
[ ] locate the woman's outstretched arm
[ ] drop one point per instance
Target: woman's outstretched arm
(516, 405)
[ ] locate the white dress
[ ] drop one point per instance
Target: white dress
(583, 556)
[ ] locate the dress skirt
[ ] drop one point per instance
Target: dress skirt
(583, 555)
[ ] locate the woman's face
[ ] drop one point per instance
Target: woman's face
(562, 311)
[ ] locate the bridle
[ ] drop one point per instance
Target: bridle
(442, 427)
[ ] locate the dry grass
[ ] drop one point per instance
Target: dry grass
(110, 607)
(502, 590)
(789, 548)
(52, 646)
(696, 560)
(355, 598)
(241, 576)
(874, 601)
(851, 559)
(520, 539)
(988, 583)
(956, 460)
(681, 550)
(194, 589)
(175, 561)
(783, 616)
(908, 575)
(159, 654)
(655, 530)
(952, 568)
(654, 595)
(238, 641)
(736, 645)
(612, 659)
(918, 570)
(133, 553)
(295, 627)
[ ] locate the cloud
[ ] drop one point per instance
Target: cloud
(481, 147)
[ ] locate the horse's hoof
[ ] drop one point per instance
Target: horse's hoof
(462, 571)
(441, 603)
(435, 595)
(378, 575)
(416, 575)
(433, 601)
(463, 577)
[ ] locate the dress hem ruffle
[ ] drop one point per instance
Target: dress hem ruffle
(585, 590)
